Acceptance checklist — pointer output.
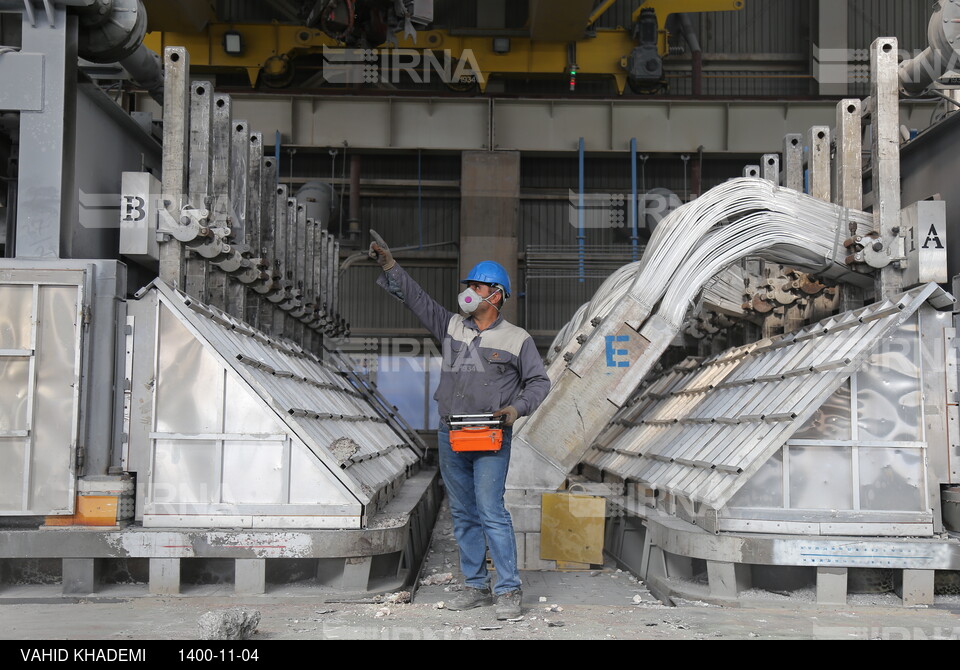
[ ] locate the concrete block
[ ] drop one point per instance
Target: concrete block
(330, 571)
(521, 550)
(831, 586)
(533, 560)
(80, 576)
(356, 573)
(165, 576)
(526, 518)
(917, 588)
(722, 578)
(523, 496)
(250, 576)
(654, 562)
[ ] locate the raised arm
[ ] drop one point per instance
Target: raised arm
(434, 316)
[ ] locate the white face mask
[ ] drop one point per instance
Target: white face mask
(470, 301)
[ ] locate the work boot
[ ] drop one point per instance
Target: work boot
(508, 605)
(469, 598)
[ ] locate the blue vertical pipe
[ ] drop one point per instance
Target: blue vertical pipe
(581, 238)
(634, 239)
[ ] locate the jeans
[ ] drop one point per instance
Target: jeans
(475, 483)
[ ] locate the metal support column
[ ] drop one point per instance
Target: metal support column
(46, 176)
(254, 232)
(817, 155)
(176, 110)
(817, 149)
(201, 125)
(770, 165)
(270, 243)
(793, 161)
(222, 186)
(334, 295)
(849, 178)
(884, 77)
(239, 179)
(281, 228)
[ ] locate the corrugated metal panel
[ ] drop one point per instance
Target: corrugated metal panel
(367, 306)
(402, 223)
(904, 19)
(318, 164)
(762, 27)
(612, 174)
(746, 83)
(552, 286)
(721, 422)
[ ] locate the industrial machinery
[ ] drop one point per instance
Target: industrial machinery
(822, 446)
(208, 415)
(771, 388)
(391, 43)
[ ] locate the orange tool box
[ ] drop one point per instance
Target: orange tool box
(475, 432)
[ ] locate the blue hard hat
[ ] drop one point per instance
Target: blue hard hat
(489, 272)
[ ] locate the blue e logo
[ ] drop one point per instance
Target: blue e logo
(612, 351)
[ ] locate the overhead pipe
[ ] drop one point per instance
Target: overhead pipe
(353, 223)
(690, 35)
(696, 175)
(146, 68)
(599, 11)
(110, 31)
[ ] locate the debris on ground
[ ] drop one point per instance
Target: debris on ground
(438, 579)
(382, 612)
(399, 598)
(230, 624)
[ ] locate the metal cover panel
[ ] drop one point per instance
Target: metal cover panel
(39, 390)
(714, 431)
(15, 316)
(335, 430)
(22, 74)
(55, 408)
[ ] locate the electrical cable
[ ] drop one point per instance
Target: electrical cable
(740, 218)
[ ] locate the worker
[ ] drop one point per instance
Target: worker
(489, 367)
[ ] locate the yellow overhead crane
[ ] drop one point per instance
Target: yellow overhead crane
(269, 50)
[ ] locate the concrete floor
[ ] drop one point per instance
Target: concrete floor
(597, 604)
